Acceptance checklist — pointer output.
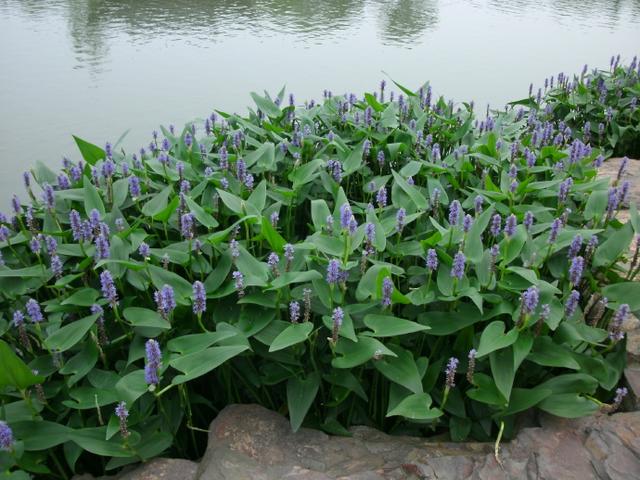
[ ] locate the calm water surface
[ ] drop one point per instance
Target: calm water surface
(96, 68)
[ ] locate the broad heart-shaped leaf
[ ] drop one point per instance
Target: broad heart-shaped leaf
(523, 399)
(197, 364)
(300, 396)
(319, 213)
(39, 434)
(195, 342)
(233, 202)
(92, 199)
(416, 406)
(67, 336)
(93, 440)
(357, 353)
(84, 297)
(625, 292)
(493, 338)
(503, 370)
(267, 105)
(401, 369)
(549, 354)
(568, 405)
(14, 372)
(418, 199)
(271, 235)
(390, 326)
(473, 248)
(201, 215)
(510, 247)
(90, 152)
(346, 330)
(157, 203)
(446, 323)
(614, 246)
(486, 391)
(143, 317)
(354, 160)
(571, 383)
(292, 335)
(161, 277)
(288, 278)
(131, 387)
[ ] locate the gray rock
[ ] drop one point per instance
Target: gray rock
(251, 442)
(610, 169)
(156, 469)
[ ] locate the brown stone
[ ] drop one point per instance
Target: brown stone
(610, 169)
(156, 469)
(251, 442)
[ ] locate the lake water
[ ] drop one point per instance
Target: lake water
(96, 68)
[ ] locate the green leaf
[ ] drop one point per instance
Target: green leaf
(157, 203)
(493, 338)
(272, 236)
(549, 354)
(418, 199)
(90, 152)
(416, 406)
(267, 105)
(524, 398)
(571, 383)
(292, 335)
(401, 369)
(84, 297)
(66, 337)
(300, 396)
(353, 354)
(233, 202)
(92, 198)
(624, 292)
(93, 440)
(568, 405)
(319, 213)
(613, 247)
(143, 317)
(473, 248)
(503, 370)
(390, 326)
(201, 215)
(197, 364)
(39, 434)
(28, 272)
(14, 372)
(287, 278)
(131, 387)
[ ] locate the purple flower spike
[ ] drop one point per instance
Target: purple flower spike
(510, 226)
(6, 437)
(575, 270)
(432, 260)
(477, 203)
(528, 220)
(48, 196)
(186, 226)
(576, 245)
(34, 312)
(345, 216)
(122, 413)
(108, 288)
(572, 303)
(294, 312)
(165, 300)
(199, 298)
(333, 272)
(238, 279)
(337, 319)
(496, 225)
(459, 261)
(556, 226)
(387, 290)
(153, 362)
(56, 266)
(454, 212)
(134, 187)
(450, 372)
(530, 299)
(615, 325)
(401, 216)
(381, 197)
(102, 247)
(467, 222)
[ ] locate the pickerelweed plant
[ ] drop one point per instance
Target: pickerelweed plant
(388, 260)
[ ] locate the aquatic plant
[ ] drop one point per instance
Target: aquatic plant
(396, 263)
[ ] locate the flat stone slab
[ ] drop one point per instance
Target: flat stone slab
(249, 442)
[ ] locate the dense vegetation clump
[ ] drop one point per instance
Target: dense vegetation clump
(390, 260)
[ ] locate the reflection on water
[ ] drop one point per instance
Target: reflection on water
(98, 67)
